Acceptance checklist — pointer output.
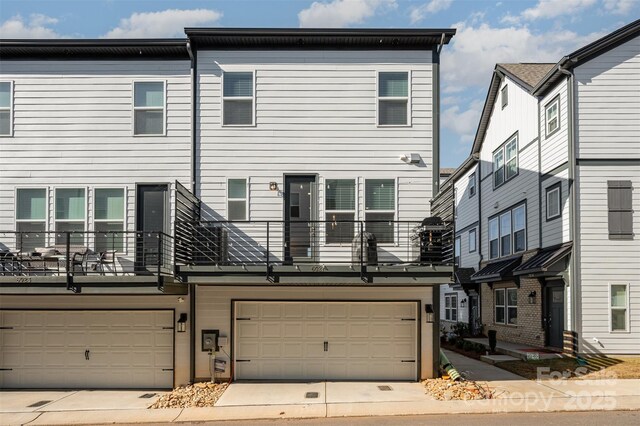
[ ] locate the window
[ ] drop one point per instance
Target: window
(504, 95)
(457, 249)
(393, 98)
(70, 211)
(619, 201)
(553, 201)
(340, 205)
(552, 119)
(506, 306)
(472, 185)
(451, 307)
(237, 99)
(494, 241)
(472, 240)
(6, 108)
(619, 307)
(31, 218)
(508, 232)
(237, 199)
(380, 207)
(109, 210)
(505, 162)
(148, 108)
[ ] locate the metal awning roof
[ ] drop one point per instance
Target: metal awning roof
(497, 271)
(545, 261)
(463, 275)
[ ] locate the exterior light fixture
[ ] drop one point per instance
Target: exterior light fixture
(182, 323)
(429, 314)
(463, 302)
(532, 297)
(273, 186)
(412, 158)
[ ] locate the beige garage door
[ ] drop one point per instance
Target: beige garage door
(86, 349)
(326, 341)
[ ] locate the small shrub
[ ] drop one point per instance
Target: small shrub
(467, 346)
(461, 329)
(478, 348)
(459, 343)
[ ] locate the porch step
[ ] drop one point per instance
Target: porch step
(512, 350)
(494, 359)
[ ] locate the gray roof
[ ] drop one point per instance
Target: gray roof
(528, 73)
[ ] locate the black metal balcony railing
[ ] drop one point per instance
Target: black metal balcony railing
(84, 254)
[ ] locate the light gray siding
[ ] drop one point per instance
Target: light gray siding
(554, 147)
(556, 231)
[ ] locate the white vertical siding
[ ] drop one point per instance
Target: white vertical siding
(554, 149)
(608, 90)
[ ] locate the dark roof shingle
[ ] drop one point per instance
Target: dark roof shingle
(529, 73)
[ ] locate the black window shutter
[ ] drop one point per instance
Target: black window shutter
(619, 200)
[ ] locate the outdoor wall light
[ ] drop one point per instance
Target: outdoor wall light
(412, 158)
(463, 302)
(273, 186)
(429, 314)
(532, 297)
(182, 323)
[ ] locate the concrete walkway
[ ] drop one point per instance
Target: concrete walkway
(246, 401)
(516, 350)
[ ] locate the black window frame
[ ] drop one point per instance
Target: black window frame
(472, 184)
(475, 240)
(548, 190)
(512, 242)
(503, 149)
(504, 96)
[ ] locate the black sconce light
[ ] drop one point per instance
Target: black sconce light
(532, 297)
(463, 303)
(428, 310)
(182, 323)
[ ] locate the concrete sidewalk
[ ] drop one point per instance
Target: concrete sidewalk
(246, 401)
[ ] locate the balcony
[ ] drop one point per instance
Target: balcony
(308, 252)
(80, 259)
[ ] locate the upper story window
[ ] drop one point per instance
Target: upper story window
(393, 98)
(380, 208)
(552, 116)
(6, 108)
(148, 108)
(507, 232)
(109, 213)
(504, 96)
(620, 209)
(553, 199)
(505, 162)
(340, 209)
(237, 199)
(456, 250)
(70, 214)
(237, 99)
(31, 218)
(472, 185)
(472, 240)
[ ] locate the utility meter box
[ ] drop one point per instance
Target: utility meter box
(210, 340)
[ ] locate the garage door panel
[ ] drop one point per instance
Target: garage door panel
(271, 350)
(248, 349)
(247, 329)
(293, 330)
(293, 349)
(314, 330)
(293, 311)
(337, 311)
(404, 330)
(337, 330)
(359, 330)
(271, 329)
(404, 350)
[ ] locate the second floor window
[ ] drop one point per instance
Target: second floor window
(237, 199)
(552, 118)
(505, 162)
(620, 209)
(393, 98)
(340, 205)
(237, 99)
(380, 208)
(507, 232)
(6, 106)
(70, 209)
(456, 250)
(472, 185)
(109, 211)
(31, 218)
(504, 95)
(553, 201)
(472, 240)
(148, 108)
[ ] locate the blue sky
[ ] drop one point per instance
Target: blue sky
(488, 32)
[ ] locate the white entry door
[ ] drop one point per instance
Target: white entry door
(86, 349)
(326, 341)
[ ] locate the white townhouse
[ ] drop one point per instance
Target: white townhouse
(558, 150)
(245, 204)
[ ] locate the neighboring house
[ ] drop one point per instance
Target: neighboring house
(166, 201)
(445, 173)
(558, 154)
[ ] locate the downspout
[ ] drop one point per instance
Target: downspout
(573, 275)
(435, 188)
(476, 158)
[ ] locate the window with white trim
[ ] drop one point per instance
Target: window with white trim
(380, 208)
(70, 214)
(619, 305)
(505, 162)
(553, 201)
(238, 98)
(6, 108)
(393, 98)
(504, 95)
(472, 240)
(340, 210)
(506, 306)
(31, 218)
(508, 232)
(108, 218)
(148, 107)
(451, 307)
(456, 250)
(237, 205)
(552, 116)
(499, 303)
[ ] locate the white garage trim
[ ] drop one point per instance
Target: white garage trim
(326, 340)
(87, 348)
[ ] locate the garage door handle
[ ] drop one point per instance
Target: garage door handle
(326, 346)
(86, 354)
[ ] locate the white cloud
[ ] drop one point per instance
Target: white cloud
(554, 8)
(166, 23)
(463, 122)
(434, 6)
(37, 26)
(342, 13)
(619, 7)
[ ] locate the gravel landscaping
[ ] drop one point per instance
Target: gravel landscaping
(197, 395)
(448, 390)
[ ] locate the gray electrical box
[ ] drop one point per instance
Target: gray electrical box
(210, 340)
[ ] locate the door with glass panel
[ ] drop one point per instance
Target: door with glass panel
(380, 209)
(300, 203)
(151, 219)
(31, 218)
(70, 208)
(109, 214)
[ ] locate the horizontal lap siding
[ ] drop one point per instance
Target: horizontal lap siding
(73, 127)
(556, 231)
(608, 90)
(554, 148)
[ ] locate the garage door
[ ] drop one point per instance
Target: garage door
(326, 341)
(86, 349)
